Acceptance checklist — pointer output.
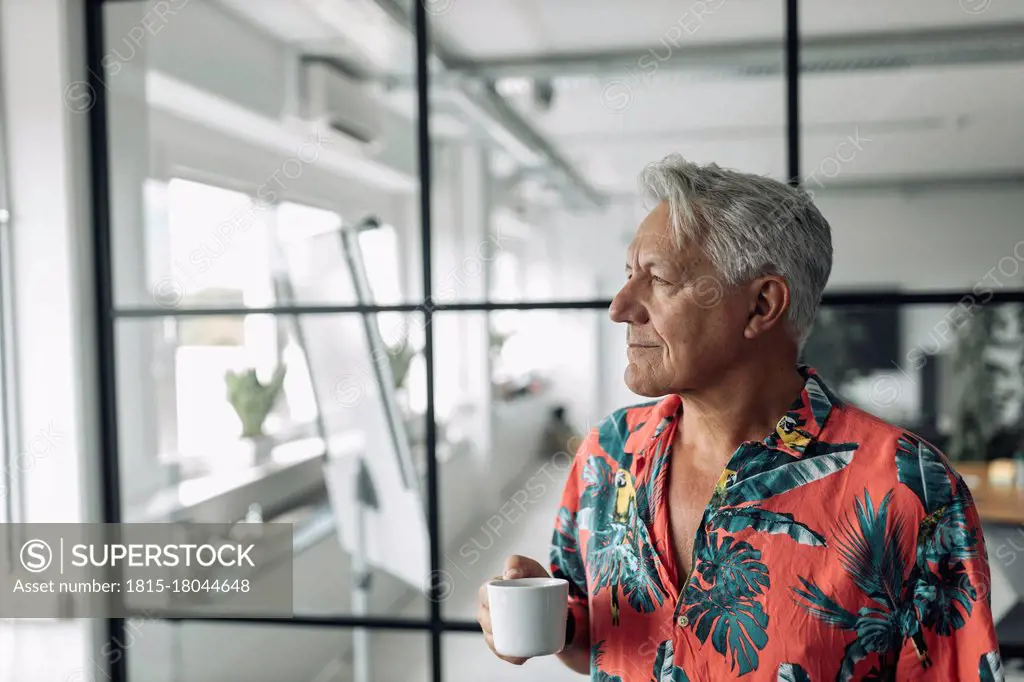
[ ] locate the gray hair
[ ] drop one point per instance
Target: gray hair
(748, 225)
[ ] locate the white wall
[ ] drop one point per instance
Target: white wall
(53, 299)
(53, 294)
(938, 238)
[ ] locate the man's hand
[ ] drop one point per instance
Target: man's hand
(515, 567)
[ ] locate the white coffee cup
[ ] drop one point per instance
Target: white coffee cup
(528, 615)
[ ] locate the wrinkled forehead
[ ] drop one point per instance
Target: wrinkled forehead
(656, 240)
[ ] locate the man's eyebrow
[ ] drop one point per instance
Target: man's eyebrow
(655, 262)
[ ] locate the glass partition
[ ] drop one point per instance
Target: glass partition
(267, 200)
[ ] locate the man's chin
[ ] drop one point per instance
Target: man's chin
(641, 385)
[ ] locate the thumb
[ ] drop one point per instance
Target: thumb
(518, 566)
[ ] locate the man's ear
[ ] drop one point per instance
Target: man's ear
(769, 301)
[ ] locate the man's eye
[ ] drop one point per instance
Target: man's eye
(659, 280)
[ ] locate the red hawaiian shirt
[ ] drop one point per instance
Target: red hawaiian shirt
(839, 547)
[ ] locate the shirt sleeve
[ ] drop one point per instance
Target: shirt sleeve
(567, 551)
(953, 636)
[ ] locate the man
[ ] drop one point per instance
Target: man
(749, 524)
(559, 435)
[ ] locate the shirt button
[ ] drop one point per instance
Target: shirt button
(683, 621)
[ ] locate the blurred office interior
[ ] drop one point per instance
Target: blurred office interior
(199, 193)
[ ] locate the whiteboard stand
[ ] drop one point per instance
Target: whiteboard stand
(365, 497)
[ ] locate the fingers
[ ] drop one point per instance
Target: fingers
(515, 567)
(483, 616)
(510, 659)
(482, 597)
(518, 566)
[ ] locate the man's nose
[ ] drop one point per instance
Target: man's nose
(626, 307)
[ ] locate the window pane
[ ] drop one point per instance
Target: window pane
(504, 454)
(228, 418)
(216, 652)
(913, 151)
(608, 87)
(220, 111)
(952, 374)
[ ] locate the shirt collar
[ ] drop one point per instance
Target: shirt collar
(805, 417)
(800, 426)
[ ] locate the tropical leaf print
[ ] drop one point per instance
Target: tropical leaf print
(732, 566)
(946, 533)
(782, 479)
(610, 555)
(757, 457)
(820, 398)
(664, 669)
(738, 627)
(940, 590)
(824, 607)
(735, 519)
(922, 470)
(876, 675)
(990, 667)
(852, 655)
(946, 597)
(871, 553)
(619, 553)
(565, 555)
(662, 424)
(642, 588)
(792, 672)
(869, 549)
(597, 475)
(596, 674)
(597, 478)
(612, 433)
(617, 564)
(878, 630)
(725, 608)
(650, 495)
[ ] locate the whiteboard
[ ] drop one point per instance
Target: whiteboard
(353, 387)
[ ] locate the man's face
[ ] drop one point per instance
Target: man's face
(684, 325)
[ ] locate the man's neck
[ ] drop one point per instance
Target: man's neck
(745, 405)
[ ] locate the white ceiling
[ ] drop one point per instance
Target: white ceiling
(926, 122)
(959, 120)
(487, 29)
